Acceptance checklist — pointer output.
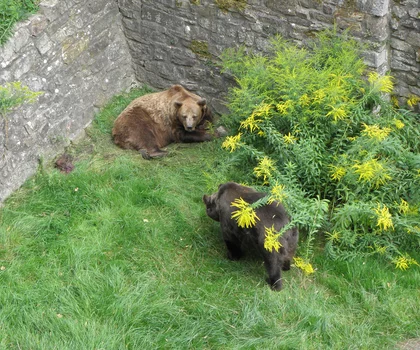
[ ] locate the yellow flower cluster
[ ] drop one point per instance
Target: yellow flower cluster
(403, 207)
(398, 124)
(231, 142)
(413, 100)
(304, 266)
(277, 194)
(372, 171)
(271, 240)
(375, 132)
(404, 262)
(264, 168)
(245, 216)
(384, 217)
(337, 113)
(337, 172)
(284, 106)
(381, 83)
(289, 139)
(250, 123)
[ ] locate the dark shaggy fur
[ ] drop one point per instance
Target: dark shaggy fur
(218, 207)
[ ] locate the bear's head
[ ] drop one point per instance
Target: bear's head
(190, 112)
(212, 209)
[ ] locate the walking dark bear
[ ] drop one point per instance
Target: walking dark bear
(219, 208)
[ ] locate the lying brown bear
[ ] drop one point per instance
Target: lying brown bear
(218, 207)
(155, 120)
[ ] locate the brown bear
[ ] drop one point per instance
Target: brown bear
(155, 120)
(219, 208)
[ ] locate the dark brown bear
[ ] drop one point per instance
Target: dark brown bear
(153, 121)
(218, 207)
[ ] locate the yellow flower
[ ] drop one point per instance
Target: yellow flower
(334, 236)
(338, 113)
(403, 207)
(372, 171)
(304, 266)
(271, 240)
(319, 95)
(398, 124)
(337, 172)
(375, 132)
(289, 138)
(394, 101)
(404, 262)
(381, 83)
(264, 168)
(277, 194)
(251, 123)
(245, 216)
(380, 249)
(231, 142)
(384, 217)
(262, 110)
(304, 100)
(413, 100)
(284, 106)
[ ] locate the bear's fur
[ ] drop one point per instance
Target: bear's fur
(218, 207)
(155, 120)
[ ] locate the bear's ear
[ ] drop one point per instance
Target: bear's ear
(205, 199)
(202, 102)
(177, 104)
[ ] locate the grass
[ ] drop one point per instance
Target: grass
(12, 11)
(119, 254)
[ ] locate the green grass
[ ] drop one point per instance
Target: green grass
(119, 254)
(12, 11)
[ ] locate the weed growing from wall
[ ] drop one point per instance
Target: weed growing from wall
(313, 128)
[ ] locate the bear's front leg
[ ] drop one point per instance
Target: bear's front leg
(194, 136)
(234, 250)
(272, 266)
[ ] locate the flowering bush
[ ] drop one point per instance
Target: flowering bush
(322, 138)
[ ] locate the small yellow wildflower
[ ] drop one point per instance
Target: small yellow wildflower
(251, 123)
(304, 266)
(384, 217)
(262, 110)
(304, 100)
(284, 106)
(231, 142)
(334, 236)
(319, 95)
(394, 101)
(289, 138)
(381, 83)
(277, 194)
(404, 262)
(372, 171)
(337, 172)
(271, 240)
(245, 216)
(398, 124)
(338, 113)
(403, 207)
(413, 100)
(380, 249)
(375, 132)
(264, 168)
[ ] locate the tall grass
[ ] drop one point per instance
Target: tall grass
(12, 11)
(119, 254)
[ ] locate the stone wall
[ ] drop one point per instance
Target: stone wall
(405, 46)
(75, 52)
(180, 41)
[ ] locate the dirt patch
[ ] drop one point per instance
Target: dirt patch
(411, 344)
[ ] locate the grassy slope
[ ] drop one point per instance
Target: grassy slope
(120, 254)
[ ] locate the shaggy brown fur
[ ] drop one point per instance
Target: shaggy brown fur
(153, 121)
